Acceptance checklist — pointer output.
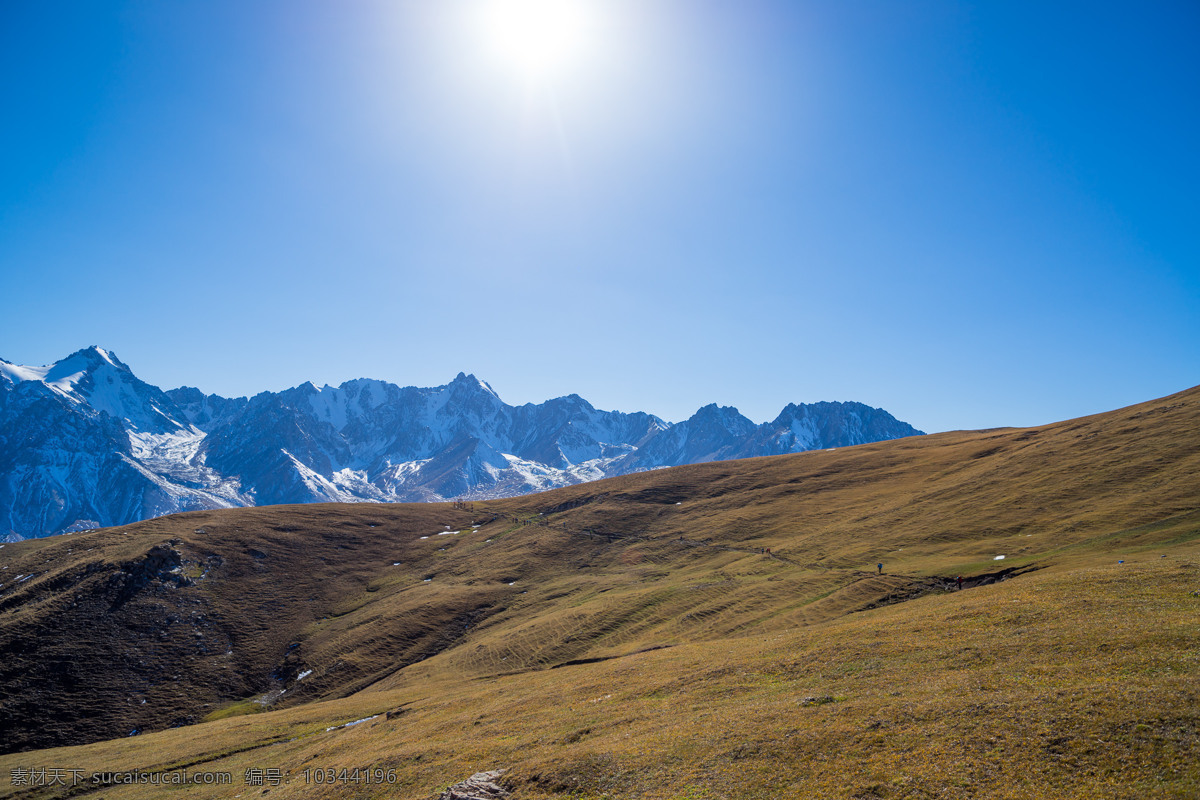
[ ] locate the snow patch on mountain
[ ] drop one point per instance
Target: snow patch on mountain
(98, 446)
(321, 488)
(18, 373)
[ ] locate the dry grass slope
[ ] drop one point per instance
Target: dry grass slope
(633, 638)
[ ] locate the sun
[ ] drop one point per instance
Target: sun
(539, 40)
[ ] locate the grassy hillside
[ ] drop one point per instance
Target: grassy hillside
(691, 632)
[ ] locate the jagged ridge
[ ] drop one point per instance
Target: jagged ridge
(85, 443)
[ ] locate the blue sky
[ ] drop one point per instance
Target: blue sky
(970, 214)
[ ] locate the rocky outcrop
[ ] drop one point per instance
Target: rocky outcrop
(480, 786)
(161, 563)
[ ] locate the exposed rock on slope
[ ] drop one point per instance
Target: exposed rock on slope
(480, 786)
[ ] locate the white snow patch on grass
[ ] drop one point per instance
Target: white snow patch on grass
(352, 724)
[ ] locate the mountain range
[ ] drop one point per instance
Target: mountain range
(85, 443)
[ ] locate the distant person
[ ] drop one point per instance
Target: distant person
(879, 567)
(960, 581)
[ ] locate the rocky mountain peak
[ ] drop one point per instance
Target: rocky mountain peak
(469, 384)
(96, 445)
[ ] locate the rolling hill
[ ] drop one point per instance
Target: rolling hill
(718, 630)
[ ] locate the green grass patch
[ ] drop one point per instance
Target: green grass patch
(238, 708)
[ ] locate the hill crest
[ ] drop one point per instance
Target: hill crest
(276, 606)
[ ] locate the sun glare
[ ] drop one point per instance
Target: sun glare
(540, 40)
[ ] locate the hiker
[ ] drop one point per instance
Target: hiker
(960, 581)
(879, 567)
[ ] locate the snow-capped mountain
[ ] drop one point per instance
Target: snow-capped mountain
(85, 443)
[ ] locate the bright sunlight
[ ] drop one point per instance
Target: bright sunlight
(539, 40)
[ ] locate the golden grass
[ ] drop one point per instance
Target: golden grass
(1067, 682)
(236, 709)
(1078, 679)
